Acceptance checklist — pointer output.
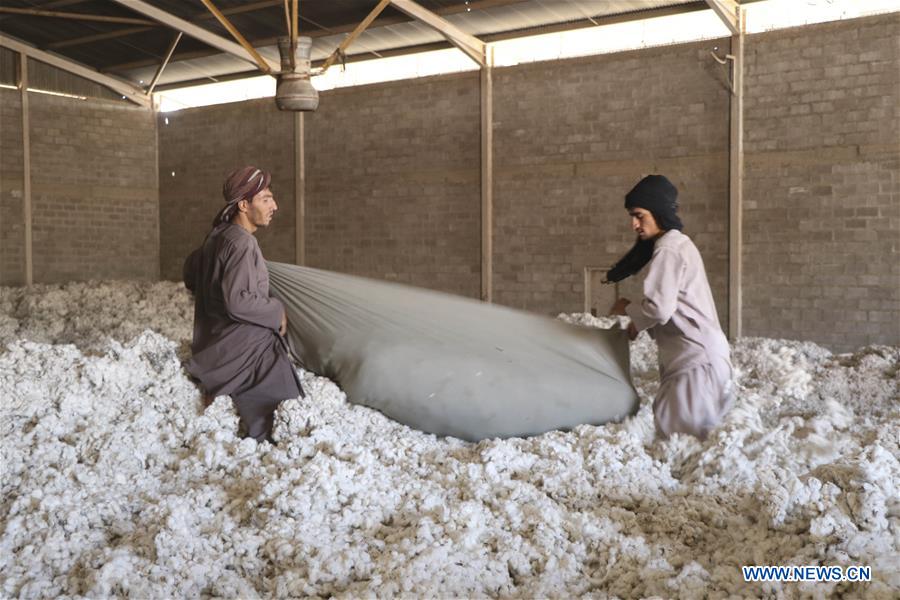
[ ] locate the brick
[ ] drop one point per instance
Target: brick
(851, 236)
(393, 176)
(91, 190)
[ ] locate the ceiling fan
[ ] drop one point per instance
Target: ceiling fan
(293, 90)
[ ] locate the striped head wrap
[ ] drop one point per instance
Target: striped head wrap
(241, 184)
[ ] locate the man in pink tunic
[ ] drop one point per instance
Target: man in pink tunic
(238, 346)
(678, 311)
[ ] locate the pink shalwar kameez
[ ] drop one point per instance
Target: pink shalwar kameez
(678, 311)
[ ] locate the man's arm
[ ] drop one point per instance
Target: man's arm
(660, 291)
(190, 269)
(621, 308)
(240, 290)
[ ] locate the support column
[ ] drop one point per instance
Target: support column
(735, 185)
(26, 168)
(487, 177)
(299, 191)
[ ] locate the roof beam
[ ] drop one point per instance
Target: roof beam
(263, 66)
(57, 4)
(205, 36)
(359, 29)
(730, 13)
(322, 31)
(162, 66)
(205, 15)
(129, 91)
(63, 3)
(33, 12)
(97, 37)
(495, 37)
(471, 45)
(294, 31)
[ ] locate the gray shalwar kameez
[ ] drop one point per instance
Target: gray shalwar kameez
(678, 311)
(237, 350)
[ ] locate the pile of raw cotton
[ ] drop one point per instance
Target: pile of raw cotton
(115, 481)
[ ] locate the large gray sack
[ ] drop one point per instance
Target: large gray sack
(450, 365)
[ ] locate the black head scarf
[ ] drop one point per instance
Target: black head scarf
(656, 194)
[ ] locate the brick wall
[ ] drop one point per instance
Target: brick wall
(93, 190)
(572, 137)
(393, 189)
(12, 231)
(822, 184)
(201, 146)
(393, 185)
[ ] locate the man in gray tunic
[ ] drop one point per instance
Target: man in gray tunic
(678, 311)
(238, 346)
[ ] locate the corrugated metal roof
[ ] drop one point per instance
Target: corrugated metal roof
(134, 51)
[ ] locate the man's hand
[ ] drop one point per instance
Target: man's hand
(619, 307)
(283, 328)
